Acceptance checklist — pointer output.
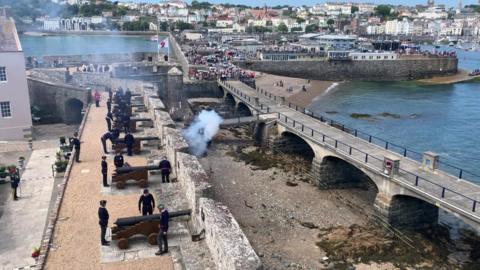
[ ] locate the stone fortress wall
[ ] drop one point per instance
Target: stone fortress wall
(368, 70)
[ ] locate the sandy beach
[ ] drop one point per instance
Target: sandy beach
(296, 96)
(461, 76)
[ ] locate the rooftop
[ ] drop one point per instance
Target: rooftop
(9, 41)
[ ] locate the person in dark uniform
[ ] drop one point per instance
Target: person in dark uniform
(76, 145)
(14, 181)
(146, 203)
(128, 96)
(109, 104)
(110, 94)
(105, 171)
(126, 122)
(163, 229)
(118, 160)
(165, 168)
(109, 119)
(129, 141)
(104, 138)
(103, 222)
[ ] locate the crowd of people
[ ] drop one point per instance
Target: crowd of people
(94, 68)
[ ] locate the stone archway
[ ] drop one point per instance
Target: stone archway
(409, 212)
(334, 172)
(243, 110)
(229, 99)
(290, 143)
(73, 111)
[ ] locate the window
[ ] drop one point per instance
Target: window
(5, 109)
(3, 74)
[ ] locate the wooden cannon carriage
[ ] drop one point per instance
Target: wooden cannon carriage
(135, 173)
(134, 120)
(120, 145)
(145, 225)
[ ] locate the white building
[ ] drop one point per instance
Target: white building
(396, 27)
(51, 24)
(376, 29)
(434, 13)
(15, 117)
(319, 42)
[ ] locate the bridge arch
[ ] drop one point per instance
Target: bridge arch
(243, 110)
(409, 212)
(335, 172)
(73, 111)
(229, 99)
(291, 143)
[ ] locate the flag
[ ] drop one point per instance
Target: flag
(163, 44)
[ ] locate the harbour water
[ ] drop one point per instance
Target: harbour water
(85, 44)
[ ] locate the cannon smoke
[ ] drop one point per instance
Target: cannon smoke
(202, 130)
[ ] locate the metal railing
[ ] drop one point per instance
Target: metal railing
(399, 149)
(416, 181)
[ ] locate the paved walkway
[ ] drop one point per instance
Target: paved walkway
(303, 125)
(23, 221)
(76, 243)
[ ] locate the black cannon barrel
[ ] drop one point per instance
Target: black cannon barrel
(129, 221)
(140, 119)
(137, 105)
(146, 138)
(128, 169)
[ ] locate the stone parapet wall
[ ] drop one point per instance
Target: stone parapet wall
(228, 244)
(382, 70)
(105, 58)
(177, 53)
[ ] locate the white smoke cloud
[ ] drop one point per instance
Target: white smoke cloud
(202, 130)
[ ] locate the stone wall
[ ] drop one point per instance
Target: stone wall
(52, 98)
(228, 245)
(384, 70)
(75, 60)
(177, 54)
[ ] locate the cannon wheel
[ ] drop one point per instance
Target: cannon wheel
(122, 243)
(121, 184)
(152, 239)
(143, 183)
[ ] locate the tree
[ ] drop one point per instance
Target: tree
(311, 28)
(383, 10)
(183, 26)
(354, 9)
(282, 28)
(330, 22)
(164, 26)
(296, 29)
(300, 20)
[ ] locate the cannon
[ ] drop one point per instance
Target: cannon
(136, 173)
(133, 122)
(146, 225)
(120, 144)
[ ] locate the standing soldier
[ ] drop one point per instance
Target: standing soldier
(104, 171)
(76, 145)
(118, 160)
(163, 229)
(110, 94)
(96, 96)
(109, 105)
(126, 122)
(14, 181)
(109, 119)
(165, 168)
(104, 138)
(146, 203)
(103, 222)
(129, 141)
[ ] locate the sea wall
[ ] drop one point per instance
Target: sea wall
(106, 58)
(382, 70)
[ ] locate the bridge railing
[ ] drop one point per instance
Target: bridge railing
(399, 149)
(421, 183)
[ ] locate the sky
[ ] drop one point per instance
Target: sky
(448, 3)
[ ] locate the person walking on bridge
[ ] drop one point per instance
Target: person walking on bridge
(146, 203)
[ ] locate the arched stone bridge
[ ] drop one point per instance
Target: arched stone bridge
(409, 193)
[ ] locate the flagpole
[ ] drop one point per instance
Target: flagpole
(158, 39)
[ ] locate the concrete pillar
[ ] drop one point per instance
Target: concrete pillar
(430, 161)
(405, 212)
